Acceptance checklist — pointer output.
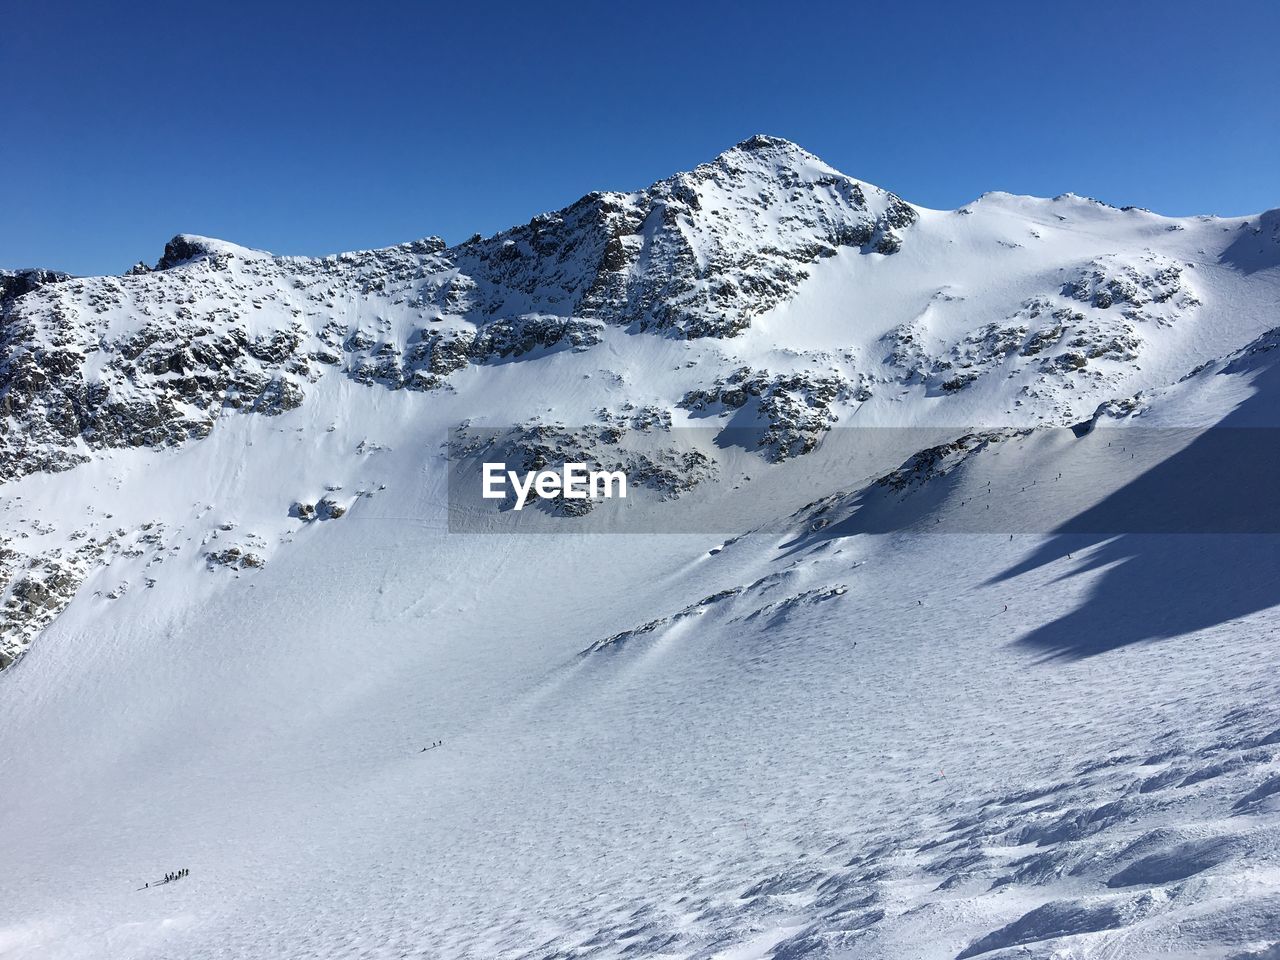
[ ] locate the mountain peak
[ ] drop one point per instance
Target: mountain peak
(774, 152)
(763, 141)
(188, 247)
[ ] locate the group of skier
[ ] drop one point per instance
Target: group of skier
(168, 878)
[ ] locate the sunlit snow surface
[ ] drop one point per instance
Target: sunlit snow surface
(907, 745)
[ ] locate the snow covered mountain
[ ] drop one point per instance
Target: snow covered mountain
(769, 707)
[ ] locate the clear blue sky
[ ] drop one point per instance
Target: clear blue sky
(324, 126)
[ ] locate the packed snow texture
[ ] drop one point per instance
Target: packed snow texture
(233, 614)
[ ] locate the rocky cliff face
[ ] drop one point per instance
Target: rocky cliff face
(698, 255)
(18, 283)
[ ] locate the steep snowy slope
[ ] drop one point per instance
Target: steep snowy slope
(241, 604)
